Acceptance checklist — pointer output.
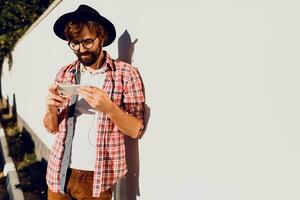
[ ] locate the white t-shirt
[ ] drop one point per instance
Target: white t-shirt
(83, 154)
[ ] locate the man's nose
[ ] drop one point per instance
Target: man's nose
(81, 48)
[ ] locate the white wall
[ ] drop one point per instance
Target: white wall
(222, 82)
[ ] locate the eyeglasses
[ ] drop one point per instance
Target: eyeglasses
(87, 43)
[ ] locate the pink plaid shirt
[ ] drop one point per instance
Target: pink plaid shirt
(124, 86)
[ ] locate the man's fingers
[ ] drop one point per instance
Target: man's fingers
(53, 89)
(90, 100)
(88, 96)
(57, 98)
(86, 89)
(90, 89)
(55, 103)
(86, 92)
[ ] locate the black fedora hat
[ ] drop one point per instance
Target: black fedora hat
(85, 13)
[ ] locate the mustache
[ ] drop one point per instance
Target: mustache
(84, 54)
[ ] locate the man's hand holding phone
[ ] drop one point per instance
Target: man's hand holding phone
(54, 99)
(53, 102)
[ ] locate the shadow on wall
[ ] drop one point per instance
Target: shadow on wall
(127, 188)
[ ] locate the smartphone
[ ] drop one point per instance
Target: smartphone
(68, 90)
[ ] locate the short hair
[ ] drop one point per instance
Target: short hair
(73, 29)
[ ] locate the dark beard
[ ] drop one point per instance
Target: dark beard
(89, 60)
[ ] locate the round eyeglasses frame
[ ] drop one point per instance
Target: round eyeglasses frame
(87, 44)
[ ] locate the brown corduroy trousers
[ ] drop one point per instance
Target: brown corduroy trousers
(79, 187)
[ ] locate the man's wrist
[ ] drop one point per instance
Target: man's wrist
(113, 110)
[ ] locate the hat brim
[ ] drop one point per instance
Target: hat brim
(62, 21)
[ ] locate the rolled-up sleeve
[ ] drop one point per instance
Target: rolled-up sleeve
(134, 95)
